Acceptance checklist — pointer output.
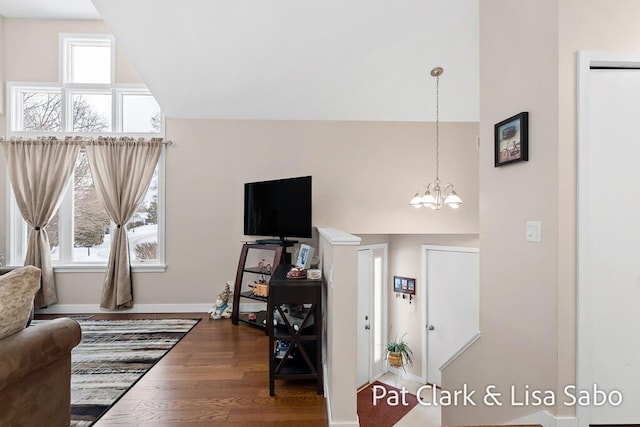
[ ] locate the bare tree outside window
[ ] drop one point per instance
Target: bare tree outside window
(85, 119)
(42, 113)
(156, 122)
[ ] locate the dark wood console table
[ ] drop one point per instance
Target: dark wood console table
(294, 321)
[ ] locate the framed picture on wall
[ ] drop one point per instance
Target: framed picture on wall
(512, 140)
(404, 285)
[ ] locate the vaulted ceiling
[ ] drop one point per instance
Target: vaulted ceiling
(298, 60)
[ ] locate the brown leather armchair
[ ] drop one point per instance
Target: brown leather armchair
(35, 374)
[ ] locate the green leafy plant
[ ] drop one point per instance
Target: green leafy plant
(401, 347)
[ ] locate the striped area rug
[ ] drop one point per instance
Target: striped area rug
(112, 356)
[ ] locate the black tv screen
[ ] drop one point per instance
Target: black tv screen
(279, 208)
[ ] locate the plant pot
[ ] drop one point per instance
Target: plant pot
(395, 359)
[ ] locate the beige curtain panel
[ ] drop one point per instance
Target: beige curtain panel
(122, 169)
(39, 170)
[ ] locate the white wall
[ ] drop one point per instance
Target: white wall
(608, 269)
(339, 258)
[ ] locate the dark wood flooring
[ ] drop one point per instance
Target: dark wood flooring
(217, 374)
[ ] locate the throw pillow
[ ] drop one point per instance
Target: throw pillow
(17, 289)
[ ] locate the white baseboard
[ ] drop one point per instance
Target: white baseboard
(343, 424)
(137, 308)
(404, 375)
(252, 306)
(545, 419)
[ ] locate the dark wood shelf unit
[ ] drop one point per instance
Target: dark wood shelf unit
(251, 295)
(242, 291)
(260, 322)
(305, 344)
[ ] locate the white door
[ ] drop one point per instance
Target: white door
(453, 305)
(608, 268)
(365, 267)
(371, 322)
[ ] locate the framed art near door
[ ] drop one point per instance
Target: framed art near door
(404, 285)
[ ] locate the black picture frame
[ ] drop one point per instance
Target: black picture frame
(404, 285)
(511, 137)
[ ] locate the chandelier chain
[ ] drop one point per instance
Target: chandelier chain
(435, 197)
(437, 129)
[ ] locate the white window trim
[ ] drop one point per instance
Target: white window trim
(67, 39)
(117, 92)
(15, 225)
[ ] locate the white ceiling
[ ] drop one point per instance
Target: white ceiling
(292, 59)
(48, 9)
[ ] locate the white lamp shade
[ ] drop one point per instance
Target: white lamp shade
(415, 202)
(428, 200)
(453, 200)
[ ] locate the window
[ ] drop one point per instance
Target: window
(87, 59)
(87, 102)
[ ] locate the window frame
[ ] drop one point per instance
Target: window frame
(16, 228)
(68, 40)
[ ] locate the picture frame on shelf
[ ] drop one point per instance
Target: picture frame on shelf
(305, 254)
(511, 139)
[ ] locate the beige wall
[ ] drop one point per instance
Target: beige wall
(32, 49)
(518, 279)
(364, 173)
(2, 100)
(547, 63)
(3, 189)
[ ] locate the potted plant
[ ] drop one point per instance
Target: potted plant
(399, 353)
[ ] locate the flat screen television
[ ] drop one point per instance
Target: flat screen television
(280, 208)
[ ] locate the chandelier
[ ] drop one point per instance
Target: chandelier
(437, 194)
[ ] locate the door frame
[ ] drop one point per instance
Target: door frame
(584, 318)
(385, 313)
(424, 253)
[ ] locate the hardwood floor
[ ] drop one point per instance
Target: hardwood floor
(217, 374)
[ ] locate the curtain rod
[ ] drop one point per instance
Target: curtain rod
(83, 140)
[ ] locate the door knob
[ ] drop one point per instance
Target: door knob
(367, 327)
(431, 327)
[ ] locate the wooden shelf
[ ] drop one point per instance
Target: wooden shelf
(256, 270)
(251, 295)
(241, 291)
(261, 317)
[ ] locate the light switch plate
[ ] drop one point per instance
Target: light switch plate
(534, 231)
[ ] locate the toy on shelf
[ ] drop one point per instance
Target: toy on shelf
(221, 308)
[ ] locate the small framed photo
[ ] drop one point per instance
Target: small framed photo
(404, 285)
(305, 254)
(512, 140)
